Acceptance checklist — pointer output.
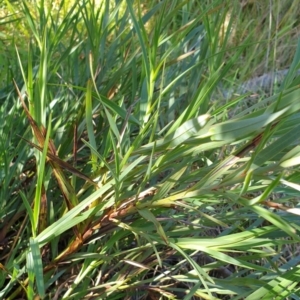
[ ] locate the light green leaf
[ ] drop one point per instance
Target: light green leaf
(145, 213)
(236, 129)
(187, 130)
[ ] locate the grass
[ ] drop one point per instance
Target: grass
(121, 177)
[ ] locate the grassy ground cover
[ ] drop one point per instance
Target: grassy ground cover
(123, 174)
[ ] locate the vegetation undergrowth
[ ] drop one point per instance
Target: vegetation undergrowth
(123, 175)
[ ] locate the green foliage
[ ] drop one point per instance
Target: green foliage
(124, 175)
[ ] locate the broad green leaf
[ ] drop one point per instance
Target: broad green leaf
(276, 220)
(187, 130)
(35, 266)
(283, 285)
(145, 213)
(236, 129)
(292, 158)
